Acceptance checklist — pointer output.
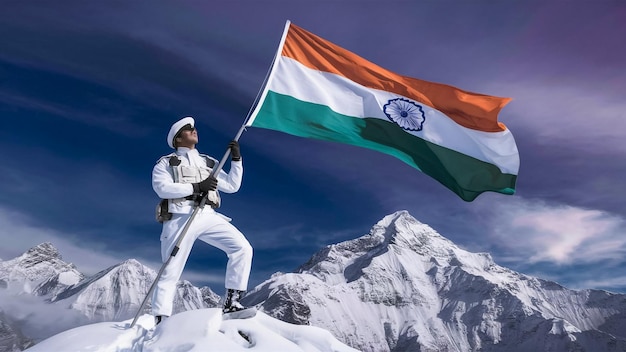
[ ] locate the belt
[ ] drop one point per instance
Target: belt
(198, 197)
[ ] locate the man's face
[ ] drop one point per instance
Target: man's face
(187, 137)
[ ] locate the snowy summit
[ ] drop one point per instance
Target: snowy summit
(405, 287)
(195, 330)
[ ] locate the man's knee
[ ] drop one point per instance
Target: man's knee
(244, 250)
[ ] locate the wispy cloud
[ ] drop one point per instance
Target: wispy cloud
(39, 320)
(569, 110)
(609, 282)
(534, 231)
(106, 111)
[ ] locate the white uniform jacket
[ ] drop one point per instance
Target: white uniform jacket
(165, 187)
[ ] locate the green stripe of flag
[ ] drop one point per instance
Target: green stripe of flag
(466, 176)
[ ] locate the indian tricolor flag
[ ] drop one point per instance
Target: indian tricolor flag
(319, 90)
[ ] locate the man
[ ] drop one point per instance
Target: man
(183, 179)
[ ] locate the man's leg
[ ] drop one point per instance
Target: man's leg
(221, 234)
(226, 237)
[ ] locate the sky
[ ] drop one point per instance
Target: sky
(89, 90)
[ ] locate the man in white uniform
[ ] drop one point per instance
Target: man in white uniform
(182, 178)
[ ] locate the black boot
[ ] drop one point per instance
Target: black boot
(233, 309)
(232, 301)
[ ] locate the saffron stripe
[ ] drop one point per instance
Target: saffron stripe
(468, 109)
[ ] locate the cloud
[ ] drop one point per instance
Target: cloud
(572, 110)
(18, 234)
(534, 232)
(117, 122)
(35, 318)
(612, 281)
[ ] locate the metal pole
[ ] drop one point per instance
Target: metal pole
(173, 254)
(184, 232)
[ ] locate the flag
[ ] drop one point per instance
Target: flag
(316, 89)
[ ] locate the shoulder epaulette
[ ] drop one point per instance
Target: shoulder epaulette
(210, 162)
(174, 161)
(166, 156)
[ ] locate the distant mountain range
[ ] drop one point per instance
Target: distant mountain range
(402, 287)
(113, 294)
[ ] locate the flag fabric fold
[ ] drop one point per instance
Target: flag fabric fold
(316, 89)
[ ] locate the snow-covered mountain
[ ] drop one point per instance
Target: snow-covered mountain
(113, 294)
(37, 266)
(404, 287)
(117, 292)
(23, 276)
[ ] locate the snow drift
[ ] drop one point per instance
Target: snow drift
(196, 330)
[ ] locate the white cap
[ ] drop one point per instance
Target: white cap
(176, 127)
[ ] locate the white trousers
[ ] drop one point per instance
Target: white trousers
(212, 228)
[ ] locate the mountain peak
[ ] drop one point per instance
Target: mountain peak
(117, 292)
(402, 229)
(44, 251)
(33, 267)
(396, 233)
(403, 286)
(132, 262)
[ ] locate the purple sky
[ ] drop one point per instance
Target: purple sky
(88, 92)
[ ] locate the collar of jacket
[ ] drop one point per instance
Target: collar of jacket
(185, 151)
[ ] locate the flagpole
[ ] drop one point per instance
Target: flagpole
(259, 96)
(262, 92)
(268, 77)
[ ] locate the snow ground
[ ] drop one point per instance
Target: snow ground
(196, 330)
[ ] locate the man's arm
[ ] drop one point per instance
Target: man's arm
(164, 185)
(231, 182)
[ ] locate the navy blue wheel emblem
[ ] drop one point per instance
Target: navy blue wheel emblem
(407, 114)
